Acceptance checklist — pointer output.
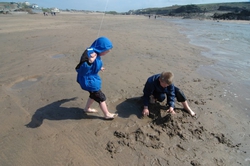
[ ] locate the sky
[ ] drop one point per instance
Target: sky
(116, 5)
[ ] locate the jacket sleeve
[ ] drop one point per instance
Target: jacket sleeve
(147, 91)
(171, 95)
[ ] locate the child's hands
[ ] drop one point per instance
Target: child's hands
(145, 112)
(102, 69)
(171, 110)
(92, 57)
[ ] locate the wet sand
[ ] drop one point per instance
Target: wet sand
(42, 122)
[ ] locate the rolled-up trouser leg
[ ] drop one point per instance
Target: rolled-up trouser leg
(98, 96)
(180, 95)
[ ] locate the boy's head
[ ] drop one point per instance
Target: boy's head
(166, 79)
(102, 45)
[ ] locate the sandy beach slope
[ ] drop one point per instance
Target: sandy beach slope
(42, 122)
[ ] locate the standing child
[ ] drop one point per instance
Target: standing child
(88, 78)
(158, 87)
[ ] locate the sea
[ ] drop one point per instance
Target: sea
(228, 44)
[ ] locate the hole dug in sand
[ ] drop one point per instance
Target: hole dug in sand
(180, 137)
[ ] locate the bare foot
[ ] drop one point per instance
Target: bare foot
(110, 116)
(191, 112)
(90, 110)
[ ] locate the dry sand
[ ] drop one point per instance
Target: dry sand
(41, 120)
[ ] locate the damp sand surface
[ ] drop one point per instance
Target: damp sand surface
(42, 120)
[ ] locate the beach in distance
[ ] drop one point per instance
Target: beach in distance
(42, 120)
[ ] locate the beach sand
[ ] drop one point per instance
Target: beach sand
(42, 122)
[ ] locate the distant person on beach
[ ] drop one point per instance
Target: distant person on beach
(87, 75)
(160, 86)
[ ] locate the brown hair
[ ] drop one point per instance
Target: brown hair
(167, 77)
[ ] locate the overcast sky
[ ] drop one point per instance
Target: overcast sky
(116, 5)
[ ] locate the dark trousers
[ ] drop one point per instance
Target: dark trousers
(98, 96)
(179, 95)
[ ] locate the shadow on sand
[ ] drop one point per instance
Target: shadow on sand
(54, 111)
(131, 106)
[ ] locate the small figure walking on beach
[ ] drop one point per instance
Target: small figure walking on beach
(160, 85)
(87, 75)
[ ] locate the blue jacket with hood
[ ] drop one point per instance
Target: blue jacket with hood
(87, 73)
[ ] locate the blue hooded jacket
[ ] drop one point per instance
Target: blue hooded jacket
(87, 74)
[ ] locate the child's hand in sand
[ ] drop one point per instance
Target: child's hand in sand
(171, 110)
(102, 69)
(145, 112)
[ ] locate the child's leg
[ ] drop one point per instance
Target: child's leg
(159, 96)
(105, 111)
(186, 107)
(100, 97)
(87, 107)
(182, 98)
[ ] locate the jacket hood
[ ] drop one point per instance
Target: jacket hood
(101, 44)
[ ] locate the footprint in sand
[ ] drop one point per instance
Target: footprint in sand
(24, 83)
